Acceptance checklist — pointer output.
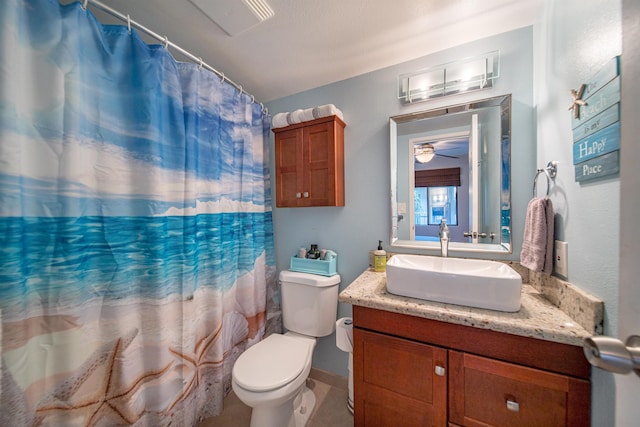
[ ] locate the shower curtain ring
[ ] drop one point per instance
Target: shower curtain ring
(165, 42)
(129, 23)
(200, 63)
(84, 4)
(241, 91)
(222, 77)
(253, 99)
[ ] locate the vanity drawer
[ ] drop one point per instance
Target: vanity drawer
(487, 392)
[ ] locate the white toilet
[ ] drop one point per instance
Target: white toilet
(270, 377)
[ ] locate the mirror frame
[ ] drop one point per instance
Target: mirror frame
(502, 101)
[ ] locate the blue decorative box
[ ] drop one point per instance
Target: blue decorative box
(314, 266)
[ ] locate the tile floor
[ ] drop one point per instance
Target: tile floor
(330, 411)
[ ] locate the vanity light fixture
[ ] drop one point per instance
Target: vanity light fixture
(470, 74)
(424, 153)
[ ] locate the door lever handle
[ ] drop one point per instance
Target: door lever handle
(613, 355)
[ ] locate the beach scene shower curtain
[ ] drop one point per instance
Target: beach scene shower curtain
(136, 238)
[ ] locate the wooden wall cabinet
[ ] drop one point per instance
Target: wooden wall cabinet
(412, 371)
(310, 163)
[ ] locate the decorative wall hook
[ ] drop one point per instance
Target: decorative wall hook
(577, 100)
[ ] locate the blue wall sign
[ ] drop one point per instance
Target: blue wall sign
(596, 131)
(598, 167)
(601, 121)
(597, 144)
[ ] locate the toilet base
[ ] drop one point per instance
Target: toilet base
(303, 409)
(292, 413)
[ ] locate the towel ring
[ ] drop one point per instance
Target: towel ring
(550, 172)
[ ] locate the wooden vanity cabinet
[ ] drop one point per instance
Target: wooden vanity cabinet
(407, 386)
(411, 371)
(310, 163)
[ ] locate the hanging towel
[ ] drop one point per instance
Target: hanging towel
(537, 247)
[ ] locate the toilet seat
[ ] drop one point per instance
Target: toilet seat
(272, 363)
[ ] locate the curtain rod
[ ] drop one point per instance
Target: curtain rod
(166, 43)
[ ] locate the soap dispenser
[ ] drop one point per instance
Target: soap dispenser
(379, 259)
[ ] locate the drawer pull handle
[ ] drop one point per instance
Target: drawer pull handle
(306, 194)
(440, 371)
(513, 406)
(298, 195)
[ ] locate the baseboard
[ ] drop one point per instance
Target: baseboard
(334, 380)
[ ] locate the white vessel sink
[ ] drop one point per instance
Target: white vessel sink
(470, 282)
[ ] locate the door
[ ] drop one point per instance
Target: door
(628, 386)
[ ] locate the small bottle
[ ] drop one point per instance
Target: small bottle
(379, 259)
(313, 253)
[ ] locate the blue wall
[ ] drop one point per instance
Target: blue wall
(570, 41)
(367, 102)
(573, 39)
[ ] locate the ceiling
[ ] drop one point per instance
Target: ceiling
(310, 43)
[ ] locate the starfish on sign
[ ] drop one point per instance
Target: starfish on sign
(111, 397)
(577, 101)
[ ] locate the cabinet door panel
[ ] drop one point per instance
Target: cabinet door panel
(395, 381)
(488, 392)
(289, 164)
(384, 408)
(320, 142)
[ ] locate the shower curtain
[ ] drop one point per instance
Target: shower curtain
(136, 239)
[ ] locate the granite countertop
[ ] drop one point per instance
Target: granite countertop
(537, 317)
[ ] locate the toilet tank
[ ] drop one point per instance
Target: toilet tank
(309, 302)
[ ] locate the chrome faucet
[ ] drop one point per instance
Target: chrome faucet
(444, 238)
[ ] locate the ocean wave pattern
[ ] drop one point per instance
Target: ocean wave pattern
(66, 261)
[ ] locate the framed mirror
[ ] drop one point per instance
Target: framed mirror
(453, 163)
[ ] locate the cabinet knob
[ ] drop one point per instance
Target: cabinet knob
(298, 195)
(513, 406)
(440, 371)
(306, 194)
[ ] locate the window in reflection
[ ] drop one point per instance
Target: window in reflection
(442, 203)
(431, 204)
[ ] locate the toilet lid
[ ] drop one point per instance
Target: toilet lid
(271, 363)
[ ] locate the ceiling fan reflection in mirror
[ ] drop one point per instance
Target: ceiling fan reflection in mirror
(425, 152)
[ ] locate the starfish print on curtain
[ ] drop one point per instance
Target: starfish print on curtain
(110, 399)
(233, 330)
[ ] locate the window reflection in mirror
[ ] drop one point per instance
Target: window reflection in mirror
(452, 163)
